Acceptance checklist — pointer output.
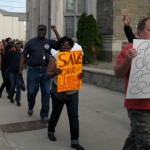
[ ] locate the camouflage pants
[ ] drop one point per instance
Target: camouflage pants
(139, 136)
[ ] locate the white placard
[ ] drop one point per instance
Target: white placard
(139, 80)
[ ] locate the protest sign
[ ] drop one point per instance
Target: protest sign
(71, 65)
(139, 81)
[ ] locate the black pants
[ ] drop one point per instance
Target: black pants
(6, 81)
(72, 110)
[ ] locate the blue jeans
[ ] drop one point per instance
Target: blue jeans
(139, 136)
(72, 110)
(14, 83)
(37, 78)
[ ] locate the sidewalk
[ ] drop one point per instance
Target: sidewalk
(103, 123)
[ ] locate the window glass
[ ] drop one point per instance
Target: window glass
(81, 6)
(72, 11)
(70, 5)
(69, 26)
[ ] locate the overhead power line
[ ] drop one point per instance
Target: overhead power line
(12, 1)
(12, 6)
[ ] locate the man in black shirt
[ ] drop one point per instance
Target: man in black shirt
(38, 50)
(13, 69)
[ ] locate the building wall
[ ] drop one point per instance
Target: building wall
(44, 12)
(15, 28)
(22, 30)
(29, 19)
(105, 22)
(35, 16)
(137, 9)
(57, 16)
(8, 26)
(105, 17)
(38, 13)
(1, 26)
(12, 27)
(109, 16)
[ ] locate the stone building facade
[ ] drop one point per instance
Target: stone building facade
(109, 16)
(62, 13)
(108, 13)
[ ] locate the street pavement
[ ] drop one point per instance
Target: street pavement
(104, 124)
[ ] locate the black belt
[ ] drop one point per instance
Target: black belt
(39, 66)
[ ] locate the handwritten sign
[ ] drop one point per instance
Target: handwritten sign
(139, 81)
(71, 65)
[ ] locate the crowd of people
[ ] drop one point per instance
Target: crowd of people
(37, 54)
(10, 53)
(40, 55)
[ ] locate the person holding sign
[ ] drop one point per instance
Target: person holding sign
(64, 44)
(138, 109)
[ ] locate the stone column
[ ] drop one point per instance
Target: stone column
(44, 12)
(57, 16)
(35, 16)
(49, 19)
(92, 7)
(28, 19)
(105, 22)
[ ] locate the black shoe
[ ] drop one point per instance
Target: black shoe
(18, 104)
(44, 120)
(30, 112)
(8, 97)
(52, 137)
(77, 146)
(12, 100)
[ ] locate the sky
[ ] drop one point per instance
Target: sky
(13, 5)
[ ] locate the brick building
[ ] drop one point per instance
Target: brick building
(108, 13)
(109, 17)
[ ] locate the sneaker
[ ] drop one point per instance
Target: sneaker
(12, 100)
(51, 137)
(30, 112)
(44, 120)
(77, 146)
(18, 104)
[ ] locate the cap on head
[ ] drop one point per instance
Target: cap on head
(41, 27)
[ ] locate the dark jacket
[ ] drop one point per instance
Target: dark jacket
(14, 61)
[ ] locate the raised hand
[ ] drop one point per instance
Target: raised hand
(126, 19)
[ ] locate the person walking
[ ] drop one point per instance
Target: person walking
(1, 52)
(5, 63)
(38, 51)
(138, 109)
(70, 99)
(13, 70)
